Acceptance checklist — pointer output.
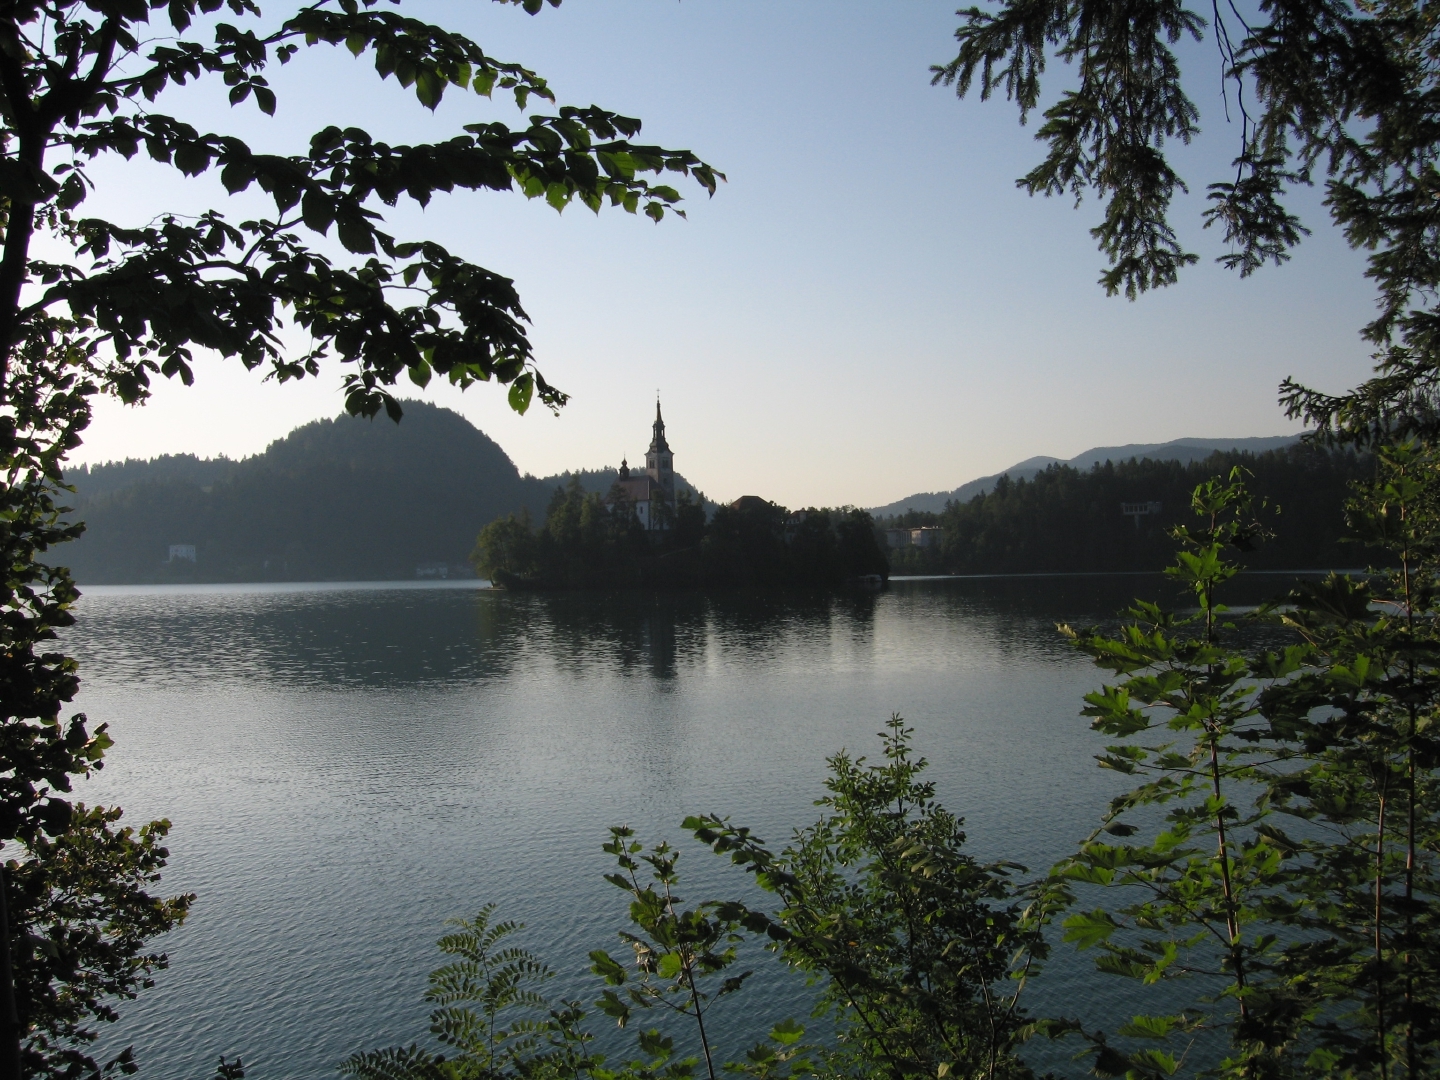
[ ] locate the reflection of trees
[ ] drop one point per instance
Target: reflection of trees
(396, 637)
(374, 637)
(625, 631)
(659, 633)
(383, 637)
(1017, 615)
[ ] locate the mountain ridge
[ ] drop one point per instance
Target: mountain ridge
(1184, 450)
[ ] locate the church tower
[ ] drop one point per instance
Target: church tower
(659, 461)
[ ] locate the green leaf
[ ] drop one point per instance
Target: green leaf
(317, 209)
(787, 1032)
(610, 1004)
(1089, 928)
(521, 390)
(430, 88)
(602, 964)
(357, 236)
(1147, 1027)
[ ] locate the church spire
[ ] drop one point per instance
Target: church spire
(659, 461)
(658, 443)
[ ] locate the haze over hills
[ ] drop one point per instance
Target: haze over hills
(1182, 450)
(337, 499)
(351, 498)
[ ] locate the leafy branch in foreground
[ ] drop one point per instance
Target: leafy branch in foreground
(922, 952)
(489, 1013)
(80, 82)
(76, 885)
(676, 949)
(1343, 92)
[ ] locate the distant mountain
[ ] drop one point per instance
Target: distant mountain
(342, 499)
(1183, 450)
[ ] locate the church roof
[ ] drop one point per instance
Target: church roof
(635, 489)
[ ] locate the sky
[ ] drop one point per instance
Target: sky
(867, 308)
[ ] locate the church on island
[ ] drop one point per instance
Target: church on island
(651, 493)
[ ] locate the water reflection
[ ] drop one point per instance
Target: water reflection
(347, 767)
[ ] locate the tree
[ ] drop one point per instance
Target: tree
(74, 85)
(1365, 801)
(1208, 889)
(912, 940)
(84, 79)
(505, 546)
(1335, 90)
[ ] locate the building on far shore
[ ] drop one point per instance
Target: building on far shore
(651, 493)
(923, 537)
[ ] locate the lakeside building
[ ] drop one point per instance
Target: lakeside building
(923, 537)
(651, 493)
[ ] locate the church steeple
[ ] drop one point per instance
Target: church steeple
(659, 461)
(657, 442)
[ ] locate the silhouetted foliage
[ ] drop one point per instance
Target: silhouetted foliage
(586, 543)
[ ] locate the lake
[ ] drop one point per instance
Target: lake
(347, 766)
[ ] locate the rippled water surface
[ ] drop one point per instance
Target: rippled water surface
(346, 767)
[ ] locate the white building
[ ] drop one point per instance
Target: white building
(651, 493)
(923, 537)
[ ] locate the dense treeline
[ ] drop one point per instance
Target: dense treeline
(1068, 520)
(584, 543)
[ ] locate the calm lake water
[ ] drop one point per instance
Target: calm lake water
(347, 766)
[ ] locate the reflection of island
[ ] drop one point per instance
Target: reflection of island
(644, 533)
(331, 638)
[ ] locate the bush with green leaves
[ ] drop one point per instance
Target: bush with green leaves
(921, 952)
(493, 1022)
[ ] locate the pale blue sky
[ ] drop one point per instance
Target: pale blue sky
(868, 308)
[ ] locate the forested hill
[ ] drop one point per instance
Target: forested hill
(335, 499)
(1066, 519)
(338, 499)
(1174, 450)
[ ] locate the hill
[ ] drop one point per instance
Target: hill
(1065, 519)
(1182, 450)
(341, 499)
